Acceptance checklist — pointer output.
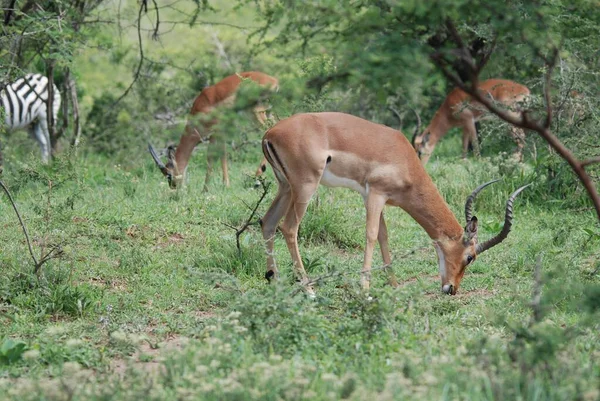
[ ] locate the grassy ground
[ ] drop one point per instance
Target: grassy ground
(150, 298)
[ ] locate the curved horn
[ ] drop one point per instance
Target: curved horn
(414, 137)
(507, 224)
(157, 160)
(471, 199)
(397, 114)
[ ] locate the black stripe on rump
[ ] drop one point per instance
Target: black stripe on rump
(277, 159)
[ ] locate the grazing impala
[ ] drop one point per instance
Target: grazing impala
(220, 94)
(458, 110)
(340, 150)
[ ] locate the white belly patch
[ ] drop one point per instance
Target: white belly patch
(331, 180)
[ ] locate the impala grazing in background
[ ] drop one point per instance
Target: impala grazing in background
(220, 94)
(341, 150)
(458, 110)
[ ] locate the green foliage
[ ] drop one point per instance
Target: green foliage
(150, 296)
(11, 351)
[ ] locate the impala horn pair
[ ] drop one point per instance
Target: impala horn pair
(507, 217)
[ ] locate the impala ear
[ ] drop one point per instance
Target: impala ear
(471, 230)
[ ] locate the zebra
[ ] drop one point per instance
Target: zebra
(24, 104)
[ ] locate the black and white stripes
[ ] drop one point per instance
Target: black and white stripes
(24, 104)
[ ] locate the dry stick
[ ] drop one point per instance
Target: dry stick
(43, 258)
(239, 231)
(139, 67)
(20, 221)
(524, 121)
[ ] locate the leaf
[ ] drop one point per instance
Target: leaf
(11, 351)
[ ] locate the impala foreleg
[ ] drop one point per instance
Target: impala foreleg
(382, 237)
(374, 205)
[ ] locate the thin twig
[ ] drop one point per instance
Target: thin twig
(590, 161)
(21, 222)
(239, 231)
(139, 67)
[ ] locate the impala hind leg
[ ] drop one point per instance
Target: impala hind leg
(374, 204)
(224, 166)
(519, 137)
(382, 237)
(470, 138)
(290, 226)
(269, 223)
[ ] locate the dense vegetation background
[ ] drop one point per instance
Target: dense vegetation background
(145, 293)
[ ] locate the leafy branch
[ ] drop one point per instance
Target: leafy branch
(445, 61)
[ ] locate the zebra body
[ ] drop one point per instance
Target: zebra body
(24, 104)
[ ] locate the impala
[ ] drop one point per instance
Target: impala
(458, 110)
(340, 150)
(197, 130)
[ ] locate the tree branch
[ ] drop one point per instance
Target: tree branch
(523, 120)
(136, 76)
(239, 231)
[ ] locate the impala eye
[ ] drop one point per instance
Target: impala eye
(469, 259)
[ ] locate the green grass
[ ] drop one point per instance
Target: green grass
(150, 285)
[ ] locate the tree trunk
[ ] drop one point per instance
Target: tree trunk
(50, 105)
(72, 93)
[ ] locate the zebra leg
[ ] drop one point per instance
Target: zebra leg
(40, 130)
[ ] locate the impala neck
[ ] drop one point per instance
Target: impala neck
(428, 208)
(439, 126)
(186, 146)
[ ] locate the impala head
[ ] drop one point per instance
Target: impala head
(420, 141)
(170, 170)
(454, 255)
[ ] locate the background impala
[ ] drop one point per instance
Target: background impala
(458, 110)
(341, 150)
(221, 94)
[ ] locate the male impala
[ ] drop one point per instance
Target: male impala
(340, 150)
(196, 130)
(458, 110)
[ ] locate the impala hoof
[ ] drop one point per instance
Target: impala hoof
(270, 275)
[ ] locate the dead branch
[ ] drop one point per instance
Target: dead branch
(55, 251)
(523, 120)
(249, 221)
(136, 75)
(12, 202)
